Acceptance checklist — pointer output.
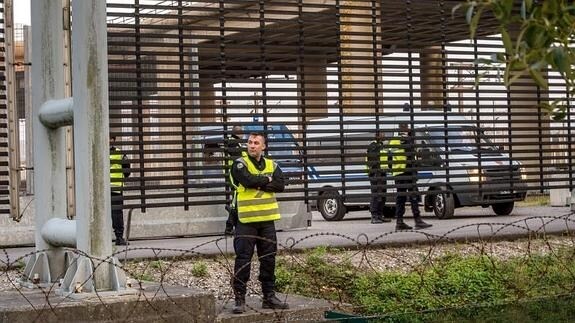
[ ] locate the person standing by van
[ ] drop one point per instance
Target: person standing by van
(257, 179)
(376, 163)
(405, 177)
(235, 149)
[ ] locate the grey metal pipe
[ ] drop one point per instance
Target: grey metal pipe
(60, 232)
(57, 113)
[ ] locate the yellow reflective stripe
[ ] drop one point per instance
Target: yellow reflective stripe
(257, 201)
(257, 206)
(249, 208)
(249, 214)
(116, 171)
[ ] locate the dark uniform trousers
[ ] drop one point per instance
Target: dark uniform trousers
(405, 183)
(261, 235)
(377, 180)
(117, 214)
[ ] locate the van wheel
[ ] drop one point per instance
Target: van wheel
(331, 207)
(443, 205)
(503, 208)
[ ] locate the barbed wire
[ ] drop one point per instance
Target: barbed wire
(333, 274)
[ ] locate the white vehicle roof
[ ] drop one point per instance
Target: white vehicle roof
(422, 119)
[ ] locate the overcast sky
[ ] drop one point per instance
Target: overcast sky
(22, 12)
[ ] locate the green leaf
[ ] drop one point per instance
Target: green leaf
(523, 10)
(537, 37)
(475, 22)
(469, 14)
(511, 75)
(549, 8)
(561, 61)
(556, 109)
(559, 112)
(507, 6)
(528, 4)
(538, 78)
(507, 43)
(517, 65)
(498, 57)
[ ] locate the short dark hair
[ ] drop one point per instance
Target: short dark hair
(261, 134)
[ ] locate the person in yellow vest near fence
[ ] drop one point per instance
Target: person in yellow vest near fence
(376, 163)
(119, 169)
(257, 180)
(235, 149)
(404, 171)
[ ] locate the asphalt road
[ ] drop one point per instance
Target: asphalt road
(470, 224)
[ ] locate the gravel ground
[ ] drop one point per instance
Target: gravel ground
(214, 274)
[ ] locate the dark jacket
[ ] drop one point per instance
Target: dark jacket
(241, 175)
(234, 147)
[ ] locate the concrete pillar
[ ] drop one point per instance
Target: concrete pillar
(358, 91)
(526, 119)
(91, 129)
(314, 88)
(207, 95)
(431, 78)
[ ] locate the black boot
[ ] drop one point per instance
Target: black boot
(376, 219)
(400, 225)
(271, 301)
(420, 224)
(121, 242)
(239, 306)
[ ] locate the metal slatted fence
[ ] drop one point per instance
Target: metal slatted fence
(4, 167)
(320, 78)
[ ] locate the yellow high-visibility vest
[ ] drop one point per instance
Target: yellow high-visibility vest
(382, 160)
(116, 173)
(255, 205)
(244, 154)
(399, 157)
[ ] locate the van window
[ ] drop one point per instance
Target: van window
(323, 151)
(460, 139)
(356, 148)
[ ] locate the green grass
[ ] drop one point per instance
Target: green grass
(144, 277)
(456, 286)
(200, 269)
(535, 200)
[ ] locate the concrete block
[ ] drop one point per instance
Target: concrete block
(156, 303)
(302, 309)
